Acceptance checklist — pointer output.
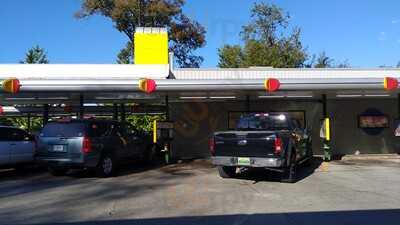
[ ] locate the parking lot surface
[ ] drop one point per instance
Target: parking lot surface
(193, 193)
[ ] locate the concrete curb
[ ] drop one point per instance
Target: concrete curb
(370, 157)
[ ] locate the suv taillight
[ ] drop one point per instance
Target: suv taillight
(278, 145)
(211, 145)
(86, 145)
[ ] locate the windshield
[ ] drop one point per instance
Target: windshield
(63, 130)
(263, 121)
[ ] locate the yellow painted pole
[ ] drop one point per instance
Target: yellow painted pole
(155, 131)
(327, 129)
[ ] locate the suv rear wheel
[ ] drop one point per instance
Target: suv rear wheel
(57, 171)
(106, 166)
(227, 171)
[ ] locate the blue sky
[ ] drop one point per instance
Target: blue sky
(366, 33)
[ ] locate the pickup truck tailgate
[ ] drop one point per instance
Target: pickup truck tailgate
(245, 144)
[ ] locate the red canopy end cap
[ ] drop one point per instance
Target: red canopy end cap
(272, 84)
(11, 85)
(147, 85)
(391, 83)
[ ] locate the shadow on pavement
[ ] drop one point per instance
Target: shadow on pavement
(357, 217)
(25, 172)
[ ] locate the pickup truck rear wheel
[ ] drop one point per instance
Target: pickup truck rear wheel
(289, 173)
(227, 171)
(106, 166)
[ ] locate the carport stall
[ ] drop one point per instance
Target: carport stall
(200, 100)
(340, 94)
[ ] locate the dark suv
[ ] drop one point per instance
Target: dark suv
(91, 144)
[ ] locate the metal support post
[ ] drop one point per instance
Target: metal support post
(81, 107)
(115, 113)
(45, 114)
(326, 145)
(123, 113)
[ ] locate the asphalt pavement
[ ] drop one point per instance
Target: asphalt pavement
(192, 193)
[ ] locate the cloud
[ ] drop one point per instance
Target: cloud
(395, 21)
(382, 36)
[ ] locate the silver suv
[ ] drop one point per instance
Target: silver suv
(91, 144)
(17, 147)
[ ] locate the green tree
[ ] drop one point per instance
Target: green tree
(125, 56)
(35, 55)
(185, 35)
(323, 61)
(267, 41)
(144, 122)
(230, 56)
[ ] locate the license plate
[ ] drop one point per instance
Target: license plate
(243, 161)
(58, 148)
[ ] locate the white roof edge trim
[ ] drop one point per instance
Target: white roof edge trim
(215, 69)
(82, 71)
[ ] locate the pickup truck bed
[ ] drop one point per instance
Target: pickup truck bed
(261, 147)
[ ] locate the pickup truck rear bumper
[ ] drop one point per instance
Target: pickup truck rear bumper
(254, 162)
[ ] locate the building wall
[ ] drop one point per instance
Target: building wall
(348, 138)
(195, 121)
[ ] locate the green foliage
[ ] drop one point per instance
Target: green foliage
(35, 55)
(22, 122)
(144, 122)
(185, 35)
(323, 61)
(267, 42)
(125, 56)
(231, 56)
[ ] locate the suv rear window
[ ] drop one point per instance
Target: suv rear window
(63, 130)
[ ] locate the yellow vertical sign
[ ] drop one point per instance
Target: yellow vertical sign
(155, 131)
(327, 129)
(151, 46)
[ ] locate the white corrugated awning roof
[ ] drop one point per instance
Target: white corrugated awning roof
(298, 73)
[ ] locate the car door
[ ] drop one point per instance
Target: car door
(23, 147)
(5, 146)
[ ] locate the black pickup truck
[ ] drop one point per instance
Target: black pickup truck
(272, 141)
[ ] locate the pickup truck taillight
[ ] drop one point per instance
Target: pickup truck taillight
(211, 145)
(278, 145)
(86, 145)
